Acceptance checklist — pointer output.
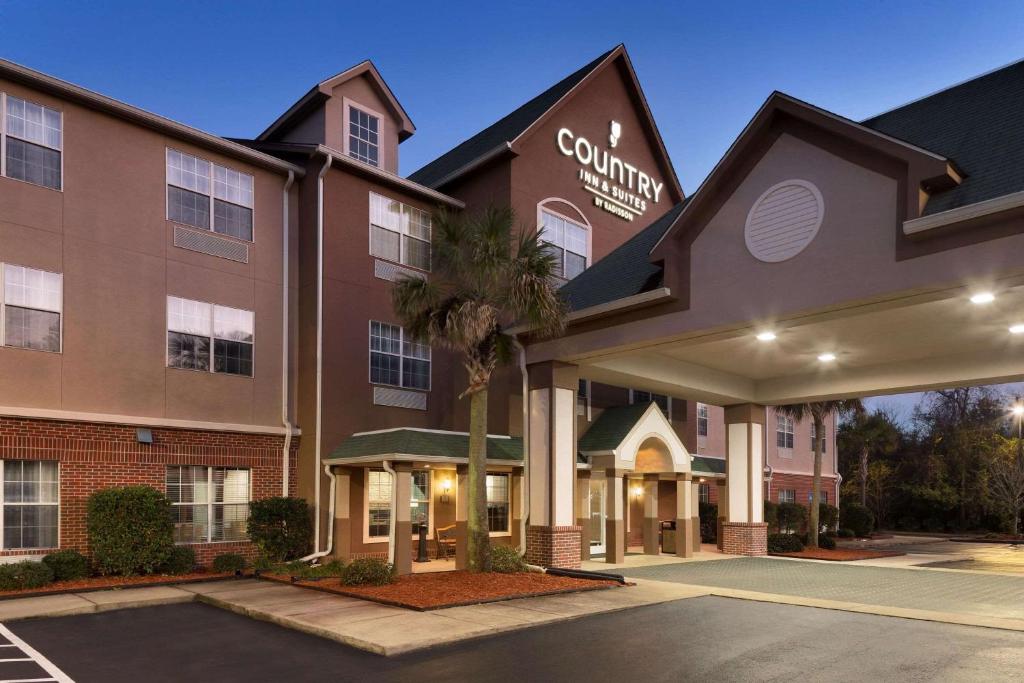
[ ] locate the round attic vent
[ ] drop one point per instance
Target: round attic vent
(784, 220)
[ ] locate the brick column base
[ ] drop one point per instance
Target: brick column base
(557, 546)
(744, 538)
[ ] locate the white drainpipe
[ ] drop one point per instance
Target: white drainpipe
(393, 509)
(526, 451)
(285, 422)
(319, 348)
(330, 520)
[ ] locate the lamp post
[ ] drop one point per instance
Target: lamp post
(1018, 412)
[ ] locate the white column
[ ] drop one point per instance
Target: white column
(684, 510)
(745, 463)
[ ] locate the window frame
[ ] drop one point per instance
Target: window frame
(403, 232)
(667, 411)
(703, 417)
(210, 504)
(4, 304)
(4, 503)
(583, 400)
(588, 257)
(487, 501)
(401, 359)
(367, 538)
(212, 337)
(349, 105)
(814, 437)
(4, 135)
(703, 492)
(785, 427)
(210, 195)
(784, 496)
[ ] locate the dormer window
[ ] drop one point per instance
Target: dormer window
(363, 136)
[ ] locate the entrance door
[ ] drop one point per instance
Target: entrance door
(598, 491)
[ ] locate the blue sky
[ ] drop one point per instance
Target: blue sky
(232, 67)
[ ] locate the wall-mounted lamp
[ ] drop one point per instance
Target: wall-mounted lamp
(446, 488)
(637, 491)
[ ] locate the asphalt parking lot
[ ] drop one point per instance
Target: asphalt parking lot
(699, 638)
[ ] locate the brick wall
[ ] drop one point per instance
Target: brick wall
(557, 546)
(95, 456)
(802, 484)
(745, 538)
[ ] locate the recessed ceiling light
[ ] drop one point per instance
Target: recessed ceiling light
(827, 357)
(983, 298)
(1017, 329)
(766, 336)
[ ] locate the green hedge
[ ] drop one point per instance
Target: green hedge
(857, 518)
(282, 528)
(771, 515)
(828, 516)
(507, 560)
(792, 517)
(130, 530)
(67, 565)
(27, 574)
(182, 560)
(229, 563)
(784, 543)
(368, 571)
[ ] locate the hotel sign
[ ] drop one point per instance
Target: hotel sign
(619, 187)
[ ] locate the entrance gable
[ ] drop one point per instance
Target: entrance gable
(619, 435)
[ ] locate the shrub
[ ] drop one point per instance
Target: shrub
(182, 560)
(708, 522)
(784, 543)
(828, 516)
(771, 515)
(27, 574)
(262, 564)
(229, 563)
(67, 565)
(302, 570)
(281, 527)
(130, 530)
(506, 560)
(845, 533)
(857, 518)
(792, 517)
(826, 542)
(368, 571)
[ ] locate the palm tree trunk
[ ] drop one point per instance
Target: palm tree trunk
(812, 533)
(864, 476)
(478, 541)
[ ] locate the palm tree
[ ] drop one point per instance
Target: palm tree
(818, 411)
(866, 434)
(486, 275)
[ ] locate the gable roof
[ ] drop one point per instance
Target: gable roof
(979, 124)
(390, 443)
(611, 427)
(321, 92)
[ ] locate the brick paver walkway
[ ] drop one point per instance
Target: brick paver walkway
(942, 591)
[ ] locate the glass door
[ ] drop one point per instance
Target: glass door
(598, 489)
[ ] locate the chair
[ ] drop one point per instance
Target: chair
(444, 537)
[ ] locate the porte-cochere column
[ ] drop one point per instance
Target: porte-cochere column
(744, 531)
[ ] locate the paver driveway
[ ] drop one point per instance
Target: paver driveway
(942, 591)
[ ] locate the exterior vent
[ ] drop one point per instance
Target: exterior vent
(399, 398)
(392, 271)
(208, 243)
(784, 220)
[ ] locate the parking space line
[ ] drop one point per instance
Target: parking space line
(56, 675)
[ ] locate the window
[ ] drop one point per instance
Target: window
(195, 329)
(209, 503)
(378, 494)
(784, 431)
(31, 504)
(567, 240)
(32, 140)
(702, 420)
(198, 189)
(787, 495)
(497, 503)
(399, 232)
(396, 359)
(664, 402)
(704, 493)
(583, 398)
(363, 132)
(420, 504)
(32, 302)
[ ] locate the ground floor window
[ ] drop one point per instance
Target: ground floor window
(31, 505)
(210, 503)
(704, 493)
(420, 503)
(787, 495)
(378, 502)
(498, 503)
(824, 497)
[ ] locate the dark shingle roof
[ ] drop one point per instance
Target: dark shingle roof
(978, 124)
(422, 442)
(503, 131)
(611, 427)
(704, 465)
(624, 272)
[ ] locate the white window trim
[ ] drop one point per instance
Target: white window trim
(781, 491)
(584, 402)
(3, 503)
(508, 476)
(653, 393)
(542, 208)
(785, 451)
(401, 359)
(210, 503)
(402, 233)
(3, 143)
(167, 196)
(212, 337)
(367, 538)
(707, 422)
(346, 119)
(3, 312)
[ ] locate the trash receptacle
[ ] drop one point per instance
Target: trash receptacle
(668, 537)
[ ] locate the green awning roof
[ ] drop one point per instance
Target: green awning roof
(704, 465)
(611, 427)
(424, 442)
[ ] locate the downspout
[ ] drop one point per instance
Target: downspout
(330, 520)
(319, 345)
(285, 422)
(393, 510)
(525, 516)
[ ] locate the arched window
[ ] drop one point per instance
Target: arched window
(568, 238)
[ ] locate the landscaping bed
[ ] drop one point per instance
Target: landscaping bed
(437, 590)
(839, 554)
(98, 583)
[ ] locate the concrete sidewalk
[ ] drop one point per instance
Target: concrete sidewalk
(91, 601)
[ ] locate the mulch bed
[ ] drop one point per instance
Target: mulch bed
(99, 583)
(437, 590)
(840, 554)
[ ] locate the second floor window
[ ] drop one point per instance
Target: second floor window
(31, 301)
(664, 402)
(702, 420)
(784, 431)
(363, 136)
(567, 240)
(202, 336)
(209, 196)
(33, 142)
(704, 493)
(396, 359)
(399, 232)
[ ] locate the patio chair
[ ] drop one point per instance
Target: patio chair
(444, 537)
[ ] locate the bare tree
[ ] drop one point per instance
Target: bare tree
(1006, 480)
